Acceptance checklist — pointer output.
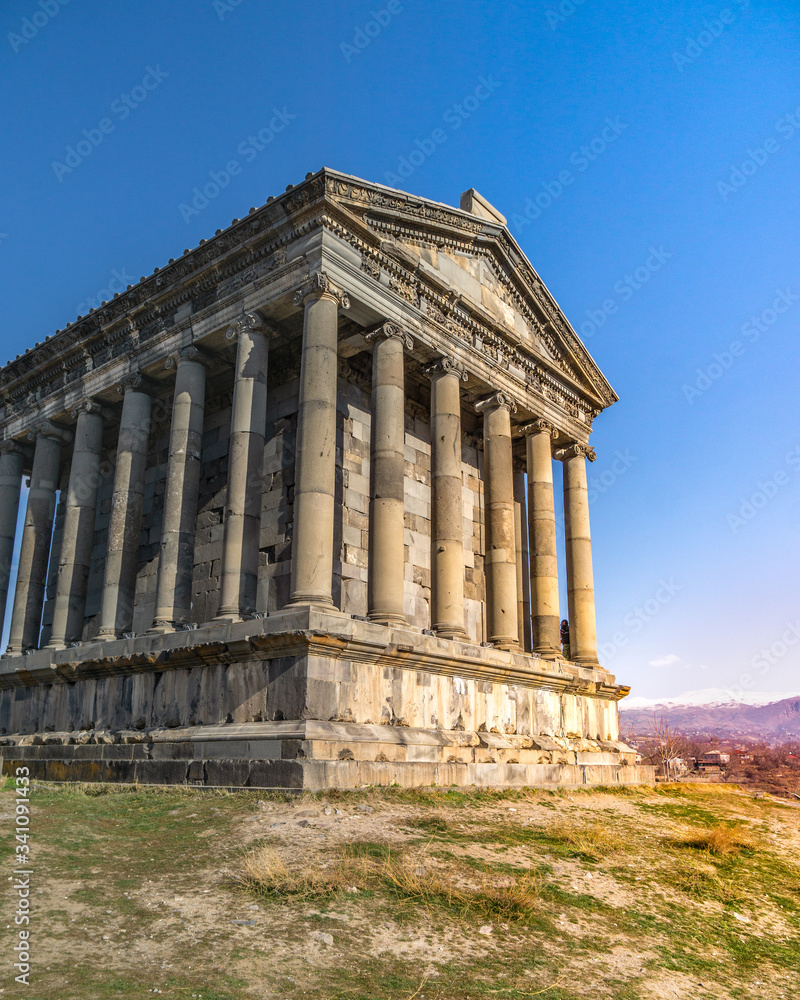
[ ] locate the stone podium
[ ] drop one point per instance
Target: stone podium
(290, 520)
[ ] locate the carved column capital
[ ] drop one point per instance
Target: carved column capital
(446, 366)
(497, 399)
(46, 428)
(539, 424)
(12, 447)
(387, 330)
(575, 449)
(247, 321)
(91, 406)
(135, 382)
(189, 353)
(318, 285)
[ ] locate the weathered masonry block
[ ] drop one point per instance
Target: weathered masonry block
(291, 522)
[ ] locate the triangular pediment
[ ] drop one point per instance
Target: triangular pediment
(474, 269)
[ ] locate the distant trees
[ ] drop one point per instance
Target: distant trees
(667, 746)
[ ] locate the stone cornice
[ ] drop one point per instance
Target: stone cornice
(252, 252)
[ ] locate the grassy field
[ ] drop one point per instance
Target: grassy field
(686, 891)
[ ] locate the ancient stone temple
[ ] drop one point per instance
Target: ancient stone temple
(290, 514)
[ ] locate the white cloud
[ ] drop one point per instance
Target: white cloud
(665, 661)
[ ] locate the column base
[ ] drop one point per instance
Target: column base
(510, 645)
(450, 632)
(386, 618)
(547, 652)
(56, 644)
(160, 628)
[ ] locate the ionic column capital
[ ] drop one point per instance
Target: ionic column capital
(574, 450)
(46, 428)
(537, 425)
(189, 353)
(248, 321)
(13, 447)
(91, 406)
(135, 382)
(319, 285)
(446, 366)
(388, 330)
(496, 401)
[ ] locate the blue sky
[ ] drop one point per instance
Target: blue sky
(646, 157)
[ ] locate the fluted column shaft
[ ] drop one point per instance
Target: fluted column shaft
(240, 545)
(26, 618)
(11, 465)
(176, 561)
(315, 467)
(122, 553)
(76, 545)
(542, 540)
(447, 564)
(523, 575)
(387, 476)
(501, 568)
(580, 580)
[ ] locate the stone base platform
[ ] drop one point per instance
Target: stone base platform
(320, 755)
(310, 699)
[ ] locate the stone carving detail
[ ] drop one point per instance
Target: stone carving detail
(495, 400)
(371, 267)
(575, 449)
(390, 329)
(247, 321)
(405, 290)
(188, 353)
(539, 424)
(320, 284)
(444, 366)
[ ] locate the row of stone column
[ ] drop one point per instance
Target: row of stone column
(314, 505)
(176, 558)
(312, 553)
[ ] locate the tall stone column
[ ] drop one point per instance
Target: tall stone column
(26, 618)
(523, 574)
(387, 475)
(580, 580)
(240, 545)
(78, 533)
(315, 468)
(119, 581)
(11, 464)
(542, 539)
(176, 560)
(501, 568)
(447, 533)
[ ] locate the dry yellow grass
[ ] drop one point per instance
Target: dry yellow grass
(591, 840)
(407, 880)
(722, 840)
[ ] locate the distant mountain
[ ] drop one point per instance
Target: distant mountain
(773, 721)
(710, 696)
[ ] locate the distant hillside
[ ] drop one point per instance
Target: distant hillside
(775, 722)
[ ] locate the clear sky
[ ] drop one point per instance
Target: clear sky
(646, 156)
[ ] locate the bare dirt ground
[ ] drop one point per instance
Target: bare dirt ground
(133, 895)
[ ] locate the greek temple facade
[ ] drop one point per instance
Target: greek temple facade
(290, 517)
